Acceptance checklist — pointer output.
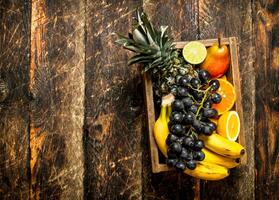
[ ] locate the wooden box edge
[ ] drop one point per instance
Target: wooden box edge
(234, 70)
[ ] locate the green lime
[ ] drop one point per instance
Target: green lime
(194, 52)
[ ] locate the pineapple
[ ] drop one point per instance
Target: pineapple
(156, 51)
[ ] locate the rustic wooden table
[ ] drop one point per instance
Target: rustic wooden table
(72, 120)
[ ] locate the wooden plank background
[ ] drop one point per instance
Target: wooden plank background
(72, 123)
(57, 106)
(14, 109)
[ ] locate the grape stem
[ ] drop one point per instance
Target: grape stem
(203, 100)
(195, 134)
(189, 131)
(193, 98)
(195, 89)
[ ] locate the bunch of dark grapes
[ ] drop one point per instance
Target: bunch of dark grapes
(190, 115)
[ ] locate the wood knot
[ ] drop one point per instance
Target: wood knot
(4, 90)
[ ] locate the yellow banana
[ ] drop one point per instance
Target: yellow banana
(161, 130)
(208, 171)
(223, 146)
(211, 157)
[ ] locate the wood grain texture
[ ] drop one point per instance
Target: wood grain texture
(182, 18)
(266, 24)
(180, 15)
(114, 106)
(234, 18)
(14, 118)
(72, 123)
(57, 107)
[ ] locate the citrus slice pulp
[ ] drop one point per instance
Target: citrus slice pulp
(194, 52)
(227, 91)
(229, 125)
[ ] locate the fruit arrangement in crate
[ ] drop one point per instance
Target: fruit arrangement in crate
(193, 100)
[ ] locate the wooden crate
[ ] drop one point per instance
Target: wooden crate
(232, 76)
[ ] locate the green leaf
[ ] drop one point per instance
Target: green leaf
(139, 59)
(139, 37)
(147, 67)
(121, 41)
(163, 31)
(157, 62)
(149, 27)
(156, 55)
(132, 48)
(164, 40)
(150, 39)
(140, 22)
(168, 45)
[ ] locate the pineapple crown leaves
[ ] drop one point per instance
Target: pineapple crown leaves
(154, 48)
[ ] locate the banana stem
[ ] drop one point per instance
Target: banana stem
(168, 99)
(166, 106)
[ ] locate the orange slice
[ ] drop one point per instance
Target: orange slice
(227, 91)
(229, 125)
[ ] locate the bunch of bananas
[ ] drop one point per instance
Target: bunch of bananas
(220, 153)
